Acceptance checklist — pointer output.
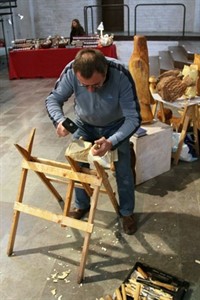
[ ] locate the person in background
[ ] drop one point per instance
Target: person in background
(107, 114)
(76, 29)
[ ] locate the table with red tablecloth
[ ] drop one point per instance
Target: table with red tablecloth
(45, 63)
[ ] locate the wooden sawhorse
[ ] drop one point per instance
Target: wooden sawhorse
(93, 181)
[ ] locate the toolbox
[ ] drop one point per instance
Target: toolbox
(151, 283)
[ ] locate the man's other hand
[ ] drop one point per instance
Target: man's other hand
(101, 146)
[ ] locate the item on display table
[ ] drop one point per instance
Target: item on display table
(77, 43)
(59, 41)
(174, 84)
(46, 43)
(63, 43)
(22, 44)
(191, 72)
(90, 44)
(106, 40)
(145, 282)
(93, 41)
(19, 41)
(85, 41)
(55, 42)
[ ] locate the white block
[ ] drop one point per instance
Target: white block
(153, 151)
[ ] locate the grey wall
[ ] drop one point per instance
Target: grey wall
(50, 17)
(165, 18)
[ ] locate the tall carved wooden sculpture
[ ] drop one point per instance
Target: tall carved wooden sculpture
(139, 69)
(197, 62)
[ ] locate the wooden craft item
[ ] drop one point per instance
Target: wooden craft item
(167, 115)
(192, 72)
(170, 85)
(81, 151)
(197, 62)
(139, 69)
(152, 84)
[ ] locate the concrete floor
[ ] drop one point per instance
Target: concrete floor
(167, 210)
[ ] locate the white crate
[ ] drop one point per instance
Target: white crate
(153, 151)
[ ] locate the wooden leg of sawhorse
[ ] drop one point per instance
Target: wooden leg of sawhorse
(16, 213)
(26, 153)
(86, 243)
(101, 172)
(68, 198)
(195, 121)
(186, 120)
(75, 167)
(94, 198)
(19, 198)
(154, 108)
(103, 175)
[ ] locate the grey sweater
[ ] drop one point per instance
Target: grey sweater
(114, 101)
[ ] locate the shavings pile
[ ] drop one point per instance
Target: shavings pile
(55, 277)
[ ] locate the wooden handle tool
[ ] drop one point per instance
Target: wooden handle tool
(167, 286)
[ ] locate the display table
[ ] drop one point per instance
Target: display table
(45, 63)
(190, 113)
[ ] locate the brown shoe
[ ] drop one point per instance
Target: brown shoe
(78, 213)
(129, 224)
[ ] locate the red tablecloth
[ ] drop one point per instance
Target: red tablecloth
(45, 63)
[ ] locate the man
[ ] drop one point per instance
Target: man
(107, 114)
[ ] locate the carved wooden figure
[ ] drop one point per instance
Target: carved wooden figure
(139, 69)
(197, 62)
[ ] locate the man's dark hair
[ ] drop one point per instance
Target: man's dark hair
(88, 61)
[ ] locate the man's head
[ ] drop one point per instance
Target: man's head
(90, 67)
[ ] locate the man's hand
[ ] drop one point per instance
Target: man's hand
(101, 146)
(61, 131)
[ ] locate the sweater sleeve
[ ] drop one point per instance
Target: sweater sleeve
(130, 109)
(58, 96)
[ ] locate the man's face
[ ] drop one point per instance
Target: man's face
(93, 83)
